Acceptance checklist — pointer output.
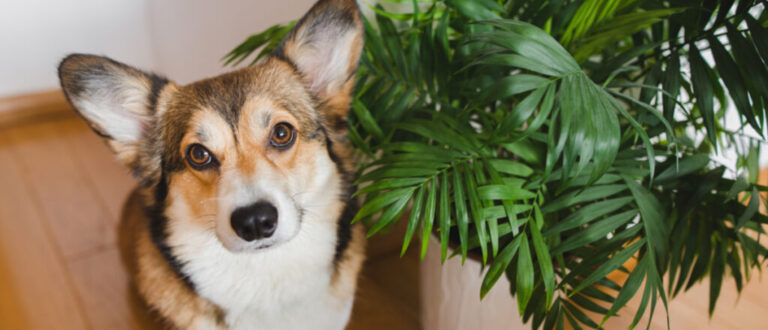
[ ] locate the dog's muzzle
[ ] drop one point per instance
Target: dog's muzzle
(256, 221)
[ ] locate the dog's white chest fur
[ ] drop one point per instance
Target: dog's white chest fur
(282, 287)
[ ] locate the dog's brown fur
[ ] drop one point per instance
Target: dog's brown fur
(154, 278)
(230, 106)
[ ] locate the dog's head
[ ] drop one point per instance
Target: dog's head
(249, 154)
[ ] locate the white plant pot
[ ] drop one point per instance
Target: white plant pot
(450, 296)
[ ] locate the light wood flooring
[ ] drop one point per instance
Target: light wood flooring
(61, 194)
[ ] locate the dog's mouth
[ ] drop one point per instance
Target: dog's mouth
(263, 247)
(239, 246)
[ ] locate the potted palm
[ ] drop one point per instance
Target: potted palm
(557, 140)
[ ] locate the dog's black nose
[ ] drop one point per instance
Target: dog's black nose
(255, 221)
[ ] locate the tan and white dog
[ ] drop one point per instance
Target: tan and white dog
(245, 179)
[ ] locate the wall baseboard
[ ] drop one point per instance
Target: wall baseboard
(21, 109)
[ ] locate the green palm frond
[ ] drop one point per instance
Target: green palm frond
(560, 139)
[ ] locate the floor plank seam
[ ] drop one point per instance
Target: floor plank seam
(89, 252)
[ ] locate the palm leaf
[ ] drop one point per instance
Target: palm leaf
(537, 128)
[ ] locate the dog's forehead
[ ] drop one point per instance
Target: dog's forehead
(256, 91)
(228, 96)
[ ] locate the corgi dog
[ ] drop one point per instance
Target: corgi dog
(245, 179)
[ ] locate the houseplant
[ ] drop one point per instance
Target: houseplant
(555, 140)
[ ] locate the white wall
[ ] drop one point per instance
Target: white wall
(182, 39)
(36, 34)
(191, 36)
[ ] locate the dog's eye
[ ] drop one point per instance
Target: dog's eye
(283, 135)
(198, 156)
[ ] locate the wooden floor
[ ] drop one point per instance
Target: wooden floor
(61, 194)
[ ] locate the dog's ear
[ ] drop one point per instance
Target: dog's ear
(325, 48)
(116, 100)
